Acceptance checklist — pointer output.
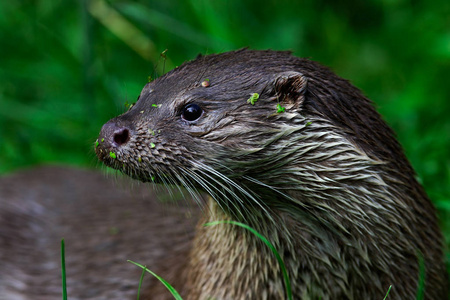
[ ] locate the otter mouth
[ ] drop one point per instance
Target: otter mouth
(134, 167)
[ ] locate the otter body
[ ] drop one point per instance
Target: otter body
(104, 224)
(279, 143)
(289, 148)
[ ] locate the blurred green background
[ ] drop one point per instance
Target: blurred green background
(66, 67)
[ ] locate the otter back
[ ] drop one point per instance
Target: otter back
(103, 223)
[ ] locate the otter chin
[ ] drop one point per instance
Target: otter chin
(287, 147)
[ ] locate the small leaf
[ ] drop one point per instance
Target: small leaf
(96, 143)
(112, 155)
(253, 98)
(152, 145)
(280, 109)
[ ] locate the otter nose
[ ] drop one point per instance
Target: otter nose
(121, 136)
(114, 135)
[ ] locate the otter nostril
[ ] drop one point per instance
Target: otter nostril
(121, 137)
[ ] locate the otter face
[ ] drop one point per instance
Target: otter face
(199, 115)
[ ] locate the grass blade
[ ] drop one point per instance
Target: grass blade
(421, 286)
(63, 270)
(172, 290)
(140, 284)
(389, 289)
(269, 244)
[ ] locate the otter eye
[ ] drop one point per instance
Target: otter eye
(191, 112)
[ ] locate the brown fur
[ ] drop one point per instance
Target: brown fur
(104, 223)
(325, 181)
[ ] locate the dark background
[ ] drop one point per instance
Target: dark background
(66, 67)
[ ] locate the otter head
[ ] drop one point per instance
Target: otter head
(245, 125)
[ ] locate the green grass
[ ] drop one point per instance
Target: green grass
(387, 293)
(63, 270)
(140, 283)
(169, 287)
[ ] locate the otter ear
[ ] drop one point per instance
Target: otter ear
(289, 88)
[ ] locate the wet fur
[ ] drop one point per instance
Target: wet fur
(326, 181)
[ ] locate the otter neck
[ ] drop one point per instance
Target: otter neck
(230, 262)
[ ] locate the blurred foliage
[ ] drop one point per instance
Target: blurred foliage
(66, 67)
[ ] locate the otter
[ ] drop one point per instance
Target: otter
(104, 223)
(287, 147)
